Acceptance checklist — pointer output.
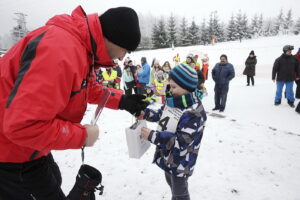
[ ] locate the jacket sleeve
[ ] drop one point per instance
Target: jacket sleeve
(30, 117)
(231, 72)
(95, 93)
(145, 72)
(185, 133)
(213, 73)
(153, 115)
(275, 69)
(297, 68)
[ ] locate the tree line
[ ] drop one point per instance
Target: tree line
(170, 32)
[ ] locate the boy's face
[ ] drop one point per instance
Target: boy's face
(148, 90)
(176, 89)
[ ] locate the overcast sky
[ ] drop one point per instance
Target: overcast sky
(39, 11)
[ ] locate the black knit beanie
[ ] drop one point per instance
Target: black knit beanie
(121, 26)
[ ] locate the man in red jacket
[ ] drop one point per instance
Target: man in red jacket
(46, 81)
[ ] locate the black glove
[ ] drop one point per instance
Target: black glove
(133, 103)
(87, 180)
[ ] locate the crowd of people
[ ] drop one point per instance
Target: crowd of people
(49, 77)
(152, 81)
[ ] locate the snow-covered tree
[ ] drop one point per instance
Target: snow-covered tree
(193, 33)
(288, 22)
(260, 25)
(245, 27)
(297, 26)
(279, 23)
(254, 28)
(145, 43)
(215, 29)
(162, 34)
(269, 29)
(155, 36)
(239, 26)
(204, 37)
(172, 30)
(232, 29)
(183, 41)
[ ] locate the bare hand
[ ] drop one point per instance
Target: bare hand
(92, 135)
(145, 133)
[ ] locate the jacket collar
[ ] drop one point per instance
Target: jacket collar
(87, 29)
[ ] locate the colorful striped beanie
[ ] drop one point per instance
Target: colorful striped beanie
(184, 76)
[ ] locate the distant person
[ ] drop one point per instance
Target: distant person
(249, 70)
(205, 66)
(110, 78)
(189, 60)
(222, 74)
(197, 64)
(47, 80)
(285, 72)
(166, 69)
(176, 59)
(143, 76)
(298, 83)
(181, 123)
(128, 80)
(155, 67)
(117, 68)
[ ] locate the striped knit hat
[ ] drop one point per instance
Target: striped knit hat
(184, 76)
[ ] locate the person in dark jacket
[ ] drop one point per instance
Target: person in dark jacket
(298, 83)
(117, 68)
(249, 70)
(285, 71)
(47, 80)
(222, 74)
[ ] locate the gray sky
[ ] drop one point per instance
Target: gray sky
(39, 11)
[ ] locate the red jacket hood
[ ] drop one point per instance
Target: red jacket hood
(80, 26)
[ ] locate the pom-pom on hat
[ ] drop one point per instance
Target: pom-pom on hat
(121, 26)
(184, 76)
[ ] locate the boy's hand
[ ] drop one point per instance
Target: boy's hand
(145, 133)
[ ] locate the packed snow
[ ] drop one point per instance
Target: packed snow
(251, 151)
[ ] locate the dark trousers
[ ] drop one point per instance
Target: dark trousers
(128, 91)
(248, 80)
(179, 187)
(142, 88)
(35, 180)
(221, 95)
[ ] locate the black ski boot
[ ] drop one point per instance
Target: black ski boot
(277, 102)
(298, 108)
(291, 103)
(87, 180)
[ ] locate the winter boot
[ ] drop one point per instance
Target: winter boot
(277, 102)
(87, 180)
(298, 108)
(291, 104)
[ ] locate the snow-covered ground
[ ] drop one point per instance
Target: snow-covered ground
(252, 153)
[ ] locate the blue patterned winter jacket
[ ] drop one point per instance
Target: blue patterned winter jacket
(177, 150)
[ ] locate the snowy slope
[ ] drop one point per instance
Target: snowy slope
(250, 153)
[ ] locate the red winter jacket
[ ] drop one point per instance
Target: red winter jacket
(45, 87)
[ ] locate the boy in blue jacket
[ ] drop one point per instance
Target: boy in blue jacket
(180, 128)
